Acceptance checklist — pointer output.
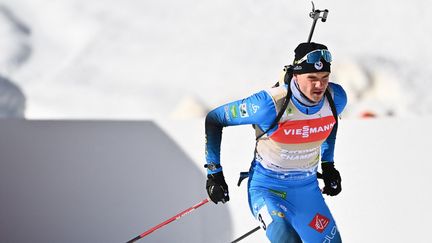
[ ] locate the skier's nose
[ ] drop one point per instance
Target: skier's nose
(319, 84)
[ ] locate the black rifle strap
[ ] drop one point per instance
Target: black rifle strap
(244, 175)
(287, 80)
(333, 109)
(285, 105)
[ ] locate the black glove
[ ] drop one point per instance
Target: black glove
(332, 179)
(217, 189)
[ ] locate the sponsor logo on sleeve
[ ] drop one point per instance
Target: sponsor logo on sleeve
(234, 111)
(255, 108)
(227, 116)
(243, 110)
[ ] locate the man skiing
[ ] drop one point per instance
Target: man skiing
(295, 124)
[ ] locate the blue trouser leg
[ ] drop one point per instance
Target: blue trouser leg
(291, 210)
(282, 232)
(273, 220)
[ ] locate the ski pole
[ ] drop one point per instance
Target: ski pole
(246, 235)
(183, 213)
(316, 14)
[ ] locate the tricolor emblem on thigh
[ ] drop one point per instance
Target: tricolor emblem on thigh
(319, 222)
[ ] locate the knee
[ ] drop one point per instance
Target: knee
(282, 232)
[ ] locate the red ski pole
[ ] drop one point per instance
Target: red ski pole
(183, 213)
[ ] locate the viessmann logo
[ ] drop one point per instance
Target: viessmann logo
(302, 131)
(307, 130)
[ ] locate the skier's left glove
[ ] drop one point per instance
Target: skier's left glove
(217, 189)
(332, 179)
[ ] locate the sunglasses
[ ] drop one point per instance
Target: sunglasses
(314, 56)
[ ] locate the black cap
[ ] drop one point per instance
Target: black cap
(304, 48)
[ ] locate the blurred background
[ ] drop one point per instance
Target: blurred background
(79, 59)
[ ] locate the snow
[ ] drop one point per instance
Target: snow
(137, 59)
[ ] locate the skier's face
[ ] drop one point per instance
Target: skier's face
(313, 85)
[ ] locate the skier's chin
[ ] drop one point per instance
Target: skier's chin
(316, 96)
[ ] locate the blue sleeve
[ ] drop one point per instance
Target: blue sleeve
(258, 109)
(340, 101)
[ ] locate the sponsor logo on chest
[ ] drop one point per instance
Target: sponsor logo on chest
(302, 131)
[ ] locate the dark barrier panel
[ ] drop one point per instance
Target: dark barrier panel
(100, 181)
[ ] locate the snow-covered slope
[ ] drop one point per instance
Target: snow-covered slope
(140, 59)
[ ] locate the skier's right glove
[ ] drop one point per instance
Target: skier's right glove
(217, 189)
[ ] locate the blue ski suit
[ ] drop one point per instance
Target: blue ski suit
(284, 195)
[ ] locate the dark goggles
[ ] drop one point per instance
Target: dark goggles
(315, 56)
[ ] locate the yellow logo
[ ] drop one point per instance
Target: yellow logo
(279, 214)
